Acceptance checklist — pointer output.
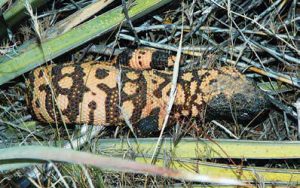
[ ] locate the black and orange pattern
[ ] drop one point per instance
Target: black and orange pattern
(99, 94)
(145, 58)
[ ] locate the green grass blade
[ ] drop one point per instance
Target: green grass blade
(273, 87)
(249, 174)
(2, 2)
(18, 11)
(54, 47)
(42, 153)
(187, 150)
(192, 148)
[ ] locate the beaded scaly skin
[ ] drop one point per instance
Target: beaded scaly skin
(98, 94)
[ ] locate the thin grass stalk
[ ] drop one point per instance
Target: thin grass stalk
(35, 56)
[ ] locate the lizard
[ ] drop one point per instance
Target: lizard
(97, 93)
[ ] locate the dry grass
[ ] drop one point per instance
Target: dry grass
(262, 35)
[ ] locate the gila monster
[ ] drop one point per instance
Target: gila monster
(100, 94)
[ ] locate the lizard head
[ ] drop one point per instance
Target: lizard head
(231, 96)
